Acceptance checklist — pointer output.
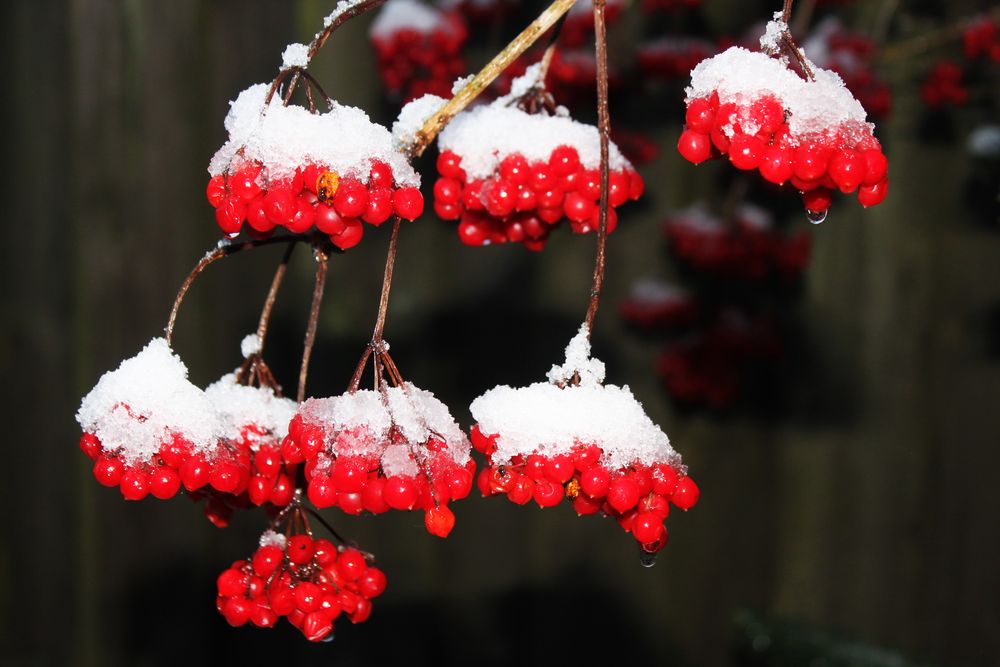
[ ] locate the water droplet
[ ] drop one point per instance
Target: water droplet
(232, 235)
(328, 638)
(816, 217)
(647, 559)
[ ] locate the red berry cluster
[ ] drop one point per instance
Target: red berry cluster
(980, 40)
(414, 63)
(707, 369)
(672, 57)
(663, 311)
(314, 198)
(237, 471)
(816, 168)
(944, 86)
(357, 483)
(638, 497)
(309, 581)
(744, 250)
(524, 201)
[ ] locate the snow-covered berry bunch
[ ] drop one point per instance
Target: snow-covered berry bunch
(654, 305)
(309, 581)
(576, 438)
(418, 48)
(509, 175)
(150, 431)
(284, 166)
(808, 132)
(375, 450)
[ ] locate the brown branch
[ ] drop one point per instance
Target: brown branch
(433, 125)
(604, 128)
(322, 260)
(931, 40)
(272, 296)
(383, 304)
(223, 250)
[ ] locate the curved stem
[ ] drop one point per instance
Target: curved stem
(604, 129)
(433, 125)
(223, 250)
(322, 259)
(272, 296)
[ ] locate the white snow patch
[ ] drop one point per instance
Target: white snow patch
(284, 138)
(411, 118)
(295, 55)
(548, 420)
(814, 107)
(984, 141)
(250, 345)
(578, 362)
(239, 406)
(342, 6)
(147, 400)
(270, 538)
(770, 41)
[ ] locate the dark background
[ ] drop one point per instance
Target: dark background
(856, 520)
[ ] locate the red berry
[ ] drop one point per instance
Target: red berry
(237, 611)
(300, 549)
(664, 479)
(305, 215)
(439, 520)
(595, 481)
(501, 479)
(768, 113)
(316, 626)
(655, 503)
(514, 169)
(216, 190)
(351, 564)
(542, 178)
(847, 169)
(473, 232)
(327, 219)
(282, 491)
(500, 198)
(266, 560)
(350, 503)
(522, 491)
(870, 195)
(876, 166)
(372, 583)
(372, 498)
(745, 151)
(686, 494)
(164, 483)
(448, 191)
(380, 175)
(694, 146)
(225, 476)
(324, 552)
(547, 493)
(350, 474)
(623, 494)
(279, 204)
(108, 471)
(559, 468)
(700, 115)
(449, 165)
(134, 484)
(817, 200)
(230, 215)
(400, 493)
(811, 161)
(578, 207)
(777, 164)
(564, 160)
(408, 203)
(647, 527)
(243, 184)
(585, 457)
(90, 445)
(194, 472)
(459, 483)
(232, 583)
(321, 491)
(351, 199)
(350, 236)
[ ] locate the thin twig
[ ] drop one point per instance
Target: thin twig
(604, 128)
(322, 260)
(933, 39)
(272, 296)
(433, 125)
(390, 262)
(223, 250)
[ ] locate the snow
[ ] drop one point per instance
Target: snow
(397, 15)
(250, 345)
(284, 138)
(270, 538)
(412, 117)
(148, 399)
(652, 291)
(359, 424)
(295, 55)
(342, 6)
(578, 362)
(549, 419)
(770, 41)
(814, 107)
(239, 406)
(984, 141)
(484, 135)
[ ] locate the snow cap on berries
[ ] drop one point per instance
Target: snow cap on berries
(148, 399)
(240, 406)
(484, 135)
(815, 107)
(547, 419)
(397, 15)
(295, 55)
(284, 139)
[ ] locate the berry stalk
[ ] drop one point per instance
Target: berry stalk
(322, 259)
(604, 129)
